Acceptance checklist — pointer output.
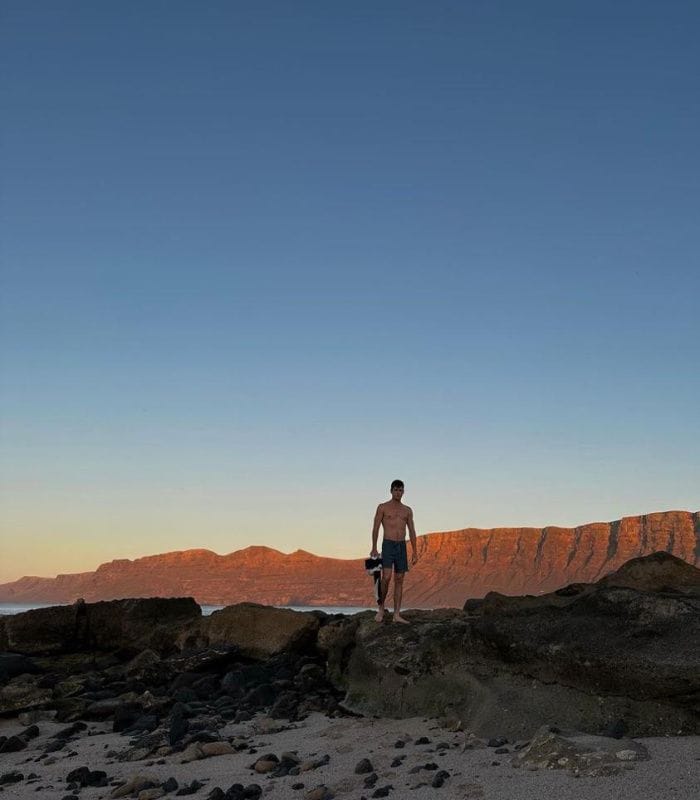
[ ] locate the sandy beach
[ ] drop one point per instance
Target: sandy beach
(673, 770)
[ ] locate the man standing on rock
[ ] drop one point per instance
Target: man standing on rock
(394, 517)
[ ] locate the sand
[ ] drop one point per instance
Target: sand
(673, 770)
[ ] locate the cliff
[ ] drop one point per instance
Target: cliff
(452, 567)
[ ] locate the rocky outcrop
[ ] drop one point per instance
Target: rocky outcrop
(119, 624)
(622, 654)
(452, 567)
(259, 631)
(581, 658)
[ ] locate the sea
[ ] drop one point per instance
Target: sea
(18, 608)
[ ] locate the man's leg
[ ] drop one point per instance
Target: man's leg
(384, 589)
(398, 592)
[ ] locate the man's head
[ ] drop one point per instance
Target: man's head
(397, 489)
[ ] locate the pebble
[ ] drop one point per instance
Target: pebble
(134, 785)
(217, 749)
(383, 791)
(83, 776)
(363, 766)
(440, 778)
(266, 763)
(11, 777)
(497, 742)
(151, 794)
(319, 793)
(370, 780)
(193, 788)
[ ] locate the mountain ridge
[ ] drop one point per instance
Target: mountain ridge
(453, 566)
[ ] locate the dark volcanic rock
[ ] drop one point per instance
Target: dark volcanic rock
(14, 664)
(11, 777)
(544, 658)
(84, 776)
(153, 623)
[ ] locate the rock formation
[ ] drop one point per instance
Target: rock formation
(627, 647)
(621, 655)
(452, 566)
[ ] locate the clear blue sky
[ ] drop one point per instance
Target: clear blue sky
(260, 258)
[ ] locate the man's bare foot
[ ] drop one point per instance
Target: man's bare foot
(380, 615)
(399, 618)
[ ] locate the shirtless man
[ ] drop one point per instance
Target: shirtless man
(394, 516)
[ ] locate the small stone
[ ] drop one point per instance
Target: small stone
(30, 733)
(319, 793)
(397, 762)
(11, 777)
(431, 765)
(370, 780)
(193, 788)
(217, 793)
(192, 752)
(13, 744)
(399, 744)
(440, 778)
(297, 786)
(363, 766)
(170, 785)
(83, 776)
(383, 791)
(501, 750)
(135, 784)
(497, 742)
(626, 755)
(615, 730)
(151, 794)
(217, 749)
(422, 740)
(266, 764)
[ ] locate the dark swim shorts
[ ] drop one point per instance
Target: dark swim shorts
(394, 555)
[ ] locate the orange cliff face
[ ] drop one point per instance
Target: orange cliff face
(453, 566)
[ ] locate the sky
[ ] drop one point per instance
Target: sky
(261, 258)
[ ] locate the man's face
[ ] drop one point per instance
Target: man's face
(397, 492)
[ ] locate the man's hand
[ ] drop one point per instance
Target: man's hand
(414, 558)
(374, 553)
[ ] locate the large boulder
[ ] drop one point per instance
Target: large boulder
(116, 624)
(261, 631)
(13, 664)
(581, 658)
(658, 572)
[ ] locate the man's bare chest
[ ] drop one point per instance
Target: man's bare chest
(395, 516)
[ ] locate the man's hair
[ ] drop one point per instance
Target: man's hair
(397, 484)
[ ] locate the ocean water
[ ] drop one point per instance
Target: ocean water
(18, 608)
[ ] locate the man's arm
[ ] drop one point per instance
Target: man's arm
(412, 536)
(375, 529)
